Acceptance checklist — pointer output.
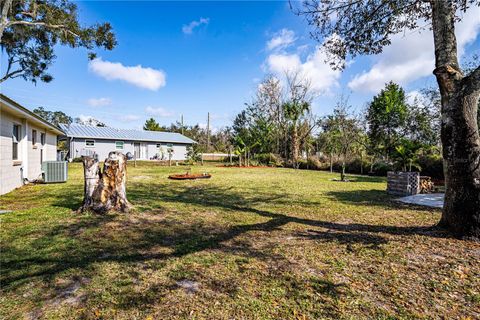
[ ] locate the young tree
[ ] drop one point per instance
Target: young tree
(365, 27)
(269, 101)
(30, 30)
(344, 132)
(152, 125)
(386, 117)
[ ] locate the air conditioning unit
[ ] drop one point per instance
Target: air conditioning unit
(54, 171)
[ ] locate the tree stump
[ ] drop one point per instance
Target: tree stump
(105, 191)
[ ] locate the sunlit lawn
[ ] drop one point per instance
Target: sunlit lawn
(248, 243)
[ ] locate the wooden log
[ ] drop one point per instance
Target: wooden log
(105, 191)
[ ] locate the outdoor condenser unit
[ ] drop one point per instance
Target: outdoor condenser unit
(54, 171)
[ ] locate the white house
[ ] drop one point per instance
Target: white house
(26, 140)
(145, 145)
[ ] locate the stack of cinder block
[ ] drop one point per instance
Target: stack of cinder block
(403, 183)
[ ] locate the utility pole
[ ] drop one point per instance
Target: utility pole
(208, 132)
(182, 123)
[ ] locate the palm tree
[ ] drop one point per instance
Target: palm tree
(293, 112)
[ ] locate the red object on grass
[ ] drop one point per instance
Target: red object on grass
(187, 176)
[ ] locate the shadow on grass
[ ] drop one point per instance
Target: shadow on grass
(373, 198)
(133, 238)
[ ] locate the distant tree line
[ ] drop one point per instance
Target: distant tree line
(278, 127)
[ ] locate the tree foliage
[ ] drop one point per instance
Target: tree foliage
(54, 117)
(30, 30)
(364, 27)
(341, 133)
(152, 125)
(386, 116)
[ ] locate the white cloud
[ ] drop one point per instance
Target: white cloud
(313, 68)
(139, 76)
(89, 121)
(129, 118)
(84, 118)
(159, 112)
(188, 28)
(411, 56)
(99, 102)
(281, 40)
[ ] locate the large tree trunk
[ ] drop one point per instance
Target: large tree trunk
(105, 191)
(459, 128)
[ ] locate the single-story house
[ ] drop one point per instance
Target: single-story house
(26, 140)
(144, 145)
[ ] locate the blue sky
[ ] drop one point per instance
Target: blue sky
(191, 58)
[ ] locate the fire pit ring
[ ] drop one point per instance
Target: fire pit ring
(188, 176)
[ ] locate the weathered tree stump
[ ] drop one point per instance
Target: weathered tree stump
(105, 191)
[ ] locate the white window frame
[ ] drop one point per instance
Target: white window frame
(87, 146)
(16, 140)
(43, 138)
(123, 145)
(34, 137)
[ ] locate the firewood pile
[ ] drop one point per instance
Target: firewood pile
(426, 184)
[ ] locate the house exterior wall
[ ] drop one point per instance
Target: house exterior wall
(35, 158)
(103, 147)
(28, 163)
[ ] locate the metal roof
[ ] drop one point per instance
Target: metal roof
(80, 131)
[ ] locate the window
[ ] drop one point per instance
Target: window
(118, 144)
(34, 137)
(169, 145)
(89, 143)
(15, 141)
(42, 138)
(159, 145)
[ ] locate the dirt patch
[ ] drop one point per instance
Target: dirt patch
(189, 286)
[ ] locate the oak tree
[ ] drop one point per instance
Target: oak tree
(358, 27)
(30, 30)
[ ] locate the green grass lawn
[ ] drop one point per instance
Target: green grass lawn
(247, 244)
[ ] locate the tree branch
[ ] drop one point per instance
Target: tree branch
(43, 24)
(7, 4)
(472, 81)
(12, 74)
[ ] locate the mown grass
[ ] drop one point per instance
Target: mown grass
(246, 244)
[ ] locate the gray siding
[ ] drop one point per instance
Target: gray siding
(103, 147)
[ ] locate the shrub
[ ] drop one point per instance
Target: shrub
(381, 168)
(268, 159)
(356, 165)
(431, 165)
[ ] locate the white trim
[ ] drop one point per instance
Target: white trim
(28, 116)
(87, 146)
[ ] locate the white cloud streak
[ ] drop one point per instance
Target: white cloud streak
(99, 102)
(129, 118)
(142, 77)
(158, 112)
(188, 28)
(281, 40)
